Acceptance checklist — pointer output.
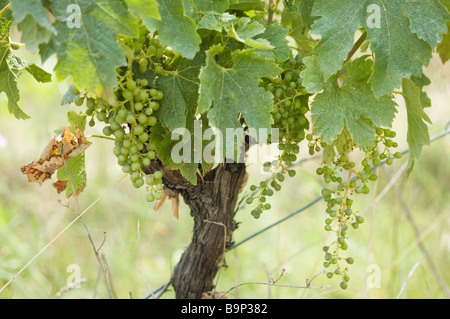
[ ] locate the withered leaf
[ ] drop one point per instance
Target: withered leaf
(58, 150)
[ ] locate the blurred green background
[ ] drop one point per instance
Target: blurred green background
(141, 246)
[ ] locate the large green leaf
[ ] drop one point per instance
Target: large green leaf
(227, 92)
(418, 135)
(352, 105)
(402, 36)
(175, 29)
(144, 9)
(219, 6)
(33, 21)
(180, 92)
(11, 67)
(90, 53)
(8, 83)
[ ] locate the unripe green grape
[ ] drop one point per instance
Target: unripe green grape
(343, 284)
(148, 111)
(116, 150)
(79, 101)
(133, 149)
(130, 118)
(74, 90)
(154, 106)
(138, 129)
(158, 196)
(139, 182)
(150, 198)
(359, 219)
(126, 169)
(151, 50)
(143, 137)
(158, 175)
(143, 63)
(121, 115)
(142, 118)
(135, 166)
(107, 131)
(90, 103)
(131, 85)
(119, 134)
(143, 96)
(376, 162)
(159, 69)
(138, 106)
(101, 116)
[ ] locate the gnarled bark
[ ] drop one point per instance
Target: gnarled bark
(212, 202)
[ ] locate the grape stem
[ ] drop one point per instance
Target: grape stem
(356, 46)
(100, 136)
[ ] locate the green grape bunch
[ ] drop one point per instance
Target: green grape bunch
(289, 118)
(130, 119)
(348, 179)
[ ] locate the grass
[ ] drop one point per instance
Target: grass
(141, 246)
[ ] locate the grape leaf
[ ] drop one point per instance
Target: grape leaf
(418, 135)
(164, 144)
(72, 173)
(298, 31)
(402, 41)
(180, 92)
(175, 29)
(275, 34)
(246, 5)
(92, 46)
(144, 9)
(11, 68)
(39, 74)
(77, 121)
(219, 6)
(227, 92)
(32, 20)
(8, 84)
(312, 80)
(247, 31)
(352, 105)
